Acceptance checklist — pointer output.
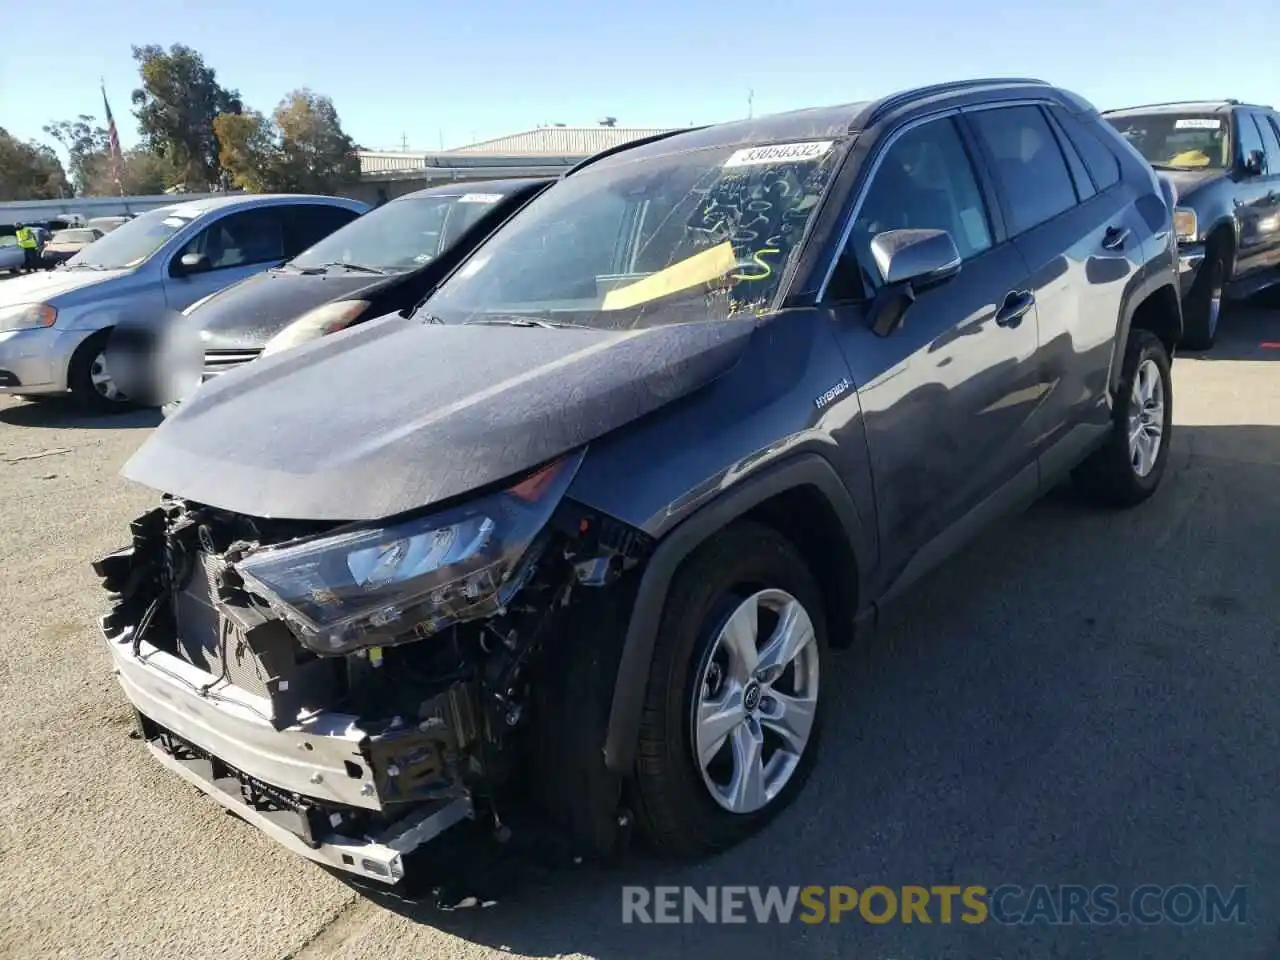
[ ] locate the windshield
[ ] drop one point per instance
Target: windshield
(9, 241)
(1180, 141)
(703, 234)
(401, 235)
(74, 236)
(107, 224)
(132, 242)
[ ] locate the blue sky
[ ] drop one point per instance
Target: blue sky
(456, 72)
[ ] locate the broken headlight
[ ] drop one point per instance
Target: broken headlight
(378, 586)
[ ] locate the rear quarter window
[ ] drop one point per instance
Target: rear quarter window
(1101, 162)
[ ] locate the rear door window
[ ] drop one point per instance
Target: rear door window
(1027, 164)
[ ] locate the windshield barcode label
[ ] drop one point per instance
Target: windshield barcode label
(1197, 123)
(480, 198)
(779, 153)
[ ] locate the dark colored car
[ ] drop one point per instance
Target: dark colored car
(385, 261)
(1224, 158)
(65, 244)
(577, 536)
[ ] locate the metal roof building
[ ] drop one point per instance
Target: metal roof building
(541, 152)
(560, 140)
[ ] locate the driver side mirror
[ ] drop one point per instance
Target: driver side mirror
(191, 263)
(1255, 162)
(911, 262)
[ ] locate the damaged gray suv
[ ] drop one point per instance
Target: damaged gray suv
(569, 546)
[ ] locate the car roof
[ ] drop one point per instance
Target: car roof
(833, 122)
(506, 186)
(1180, 106)
(195, 208)
(813, 123)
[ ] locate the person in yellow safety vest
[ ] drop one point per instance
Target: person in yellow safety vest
(28, 242)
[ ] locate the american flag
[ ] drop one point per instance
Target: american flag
(113, 139)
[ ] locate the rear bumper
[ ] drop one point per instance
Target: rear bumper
(319, 759)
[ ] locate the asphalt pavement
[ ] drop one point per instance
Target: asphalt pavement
(1082, 697)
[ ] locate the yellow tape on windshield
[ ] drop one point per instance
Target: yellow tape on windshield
(690, 272)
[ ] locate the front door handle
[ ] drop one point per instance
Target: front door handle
(1115, 238)
(1015, 307)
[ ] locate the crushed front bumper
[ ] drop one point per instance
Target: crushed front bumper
(316, 771)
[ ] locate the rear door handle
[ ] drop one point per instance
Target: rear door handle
(1115, 238)
(1015, 307)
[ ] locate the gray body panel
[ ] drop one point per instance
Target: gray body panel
(423, 413)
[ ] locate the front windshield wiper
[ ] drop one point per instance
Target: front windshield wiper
(83, 266)
(520, 321)
(358, 267)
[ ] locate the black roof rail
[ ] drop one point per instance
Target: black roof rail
(618, 148)
(895, 100)
(1228, 101)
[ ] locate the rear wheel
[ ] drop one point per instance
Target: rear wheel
(1203, 305)
(731, 720)
(1127, 469)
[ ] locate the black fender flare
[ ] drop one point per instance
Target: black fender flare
(1229, 224)
(1150, 285)
(802, 470)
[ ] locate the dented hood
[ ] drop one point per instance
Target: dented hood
(395, 414)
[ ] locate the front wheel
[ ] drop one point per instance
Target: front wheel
(92, 385)
(731, 717)
(1203, 305)
(1127, 469)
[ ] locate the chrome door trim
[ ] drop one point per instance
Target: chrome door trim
(886, 143)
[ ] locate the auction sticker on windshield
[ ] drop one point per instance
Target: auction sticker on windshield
(1197, 123)
(779, 153)
(480, 198)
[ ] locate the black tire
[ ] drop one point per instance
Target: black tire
(675, 812)
(80, 378)
(1109, 477)
(1202, 309)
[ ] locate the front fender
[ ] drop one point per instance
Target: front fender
(804, 470)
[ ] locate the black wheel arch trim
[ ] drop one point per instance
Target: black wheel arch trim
(1140, 295)
(802, 470)
(1231, 227)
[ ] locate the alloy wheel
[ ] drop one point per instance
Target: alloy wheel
(756, 701)
(103, 383)
(1146, 418)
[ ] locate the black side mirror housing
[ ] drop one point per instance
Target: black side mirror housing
(911, 262)
(191, 263)
(1255, 163)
